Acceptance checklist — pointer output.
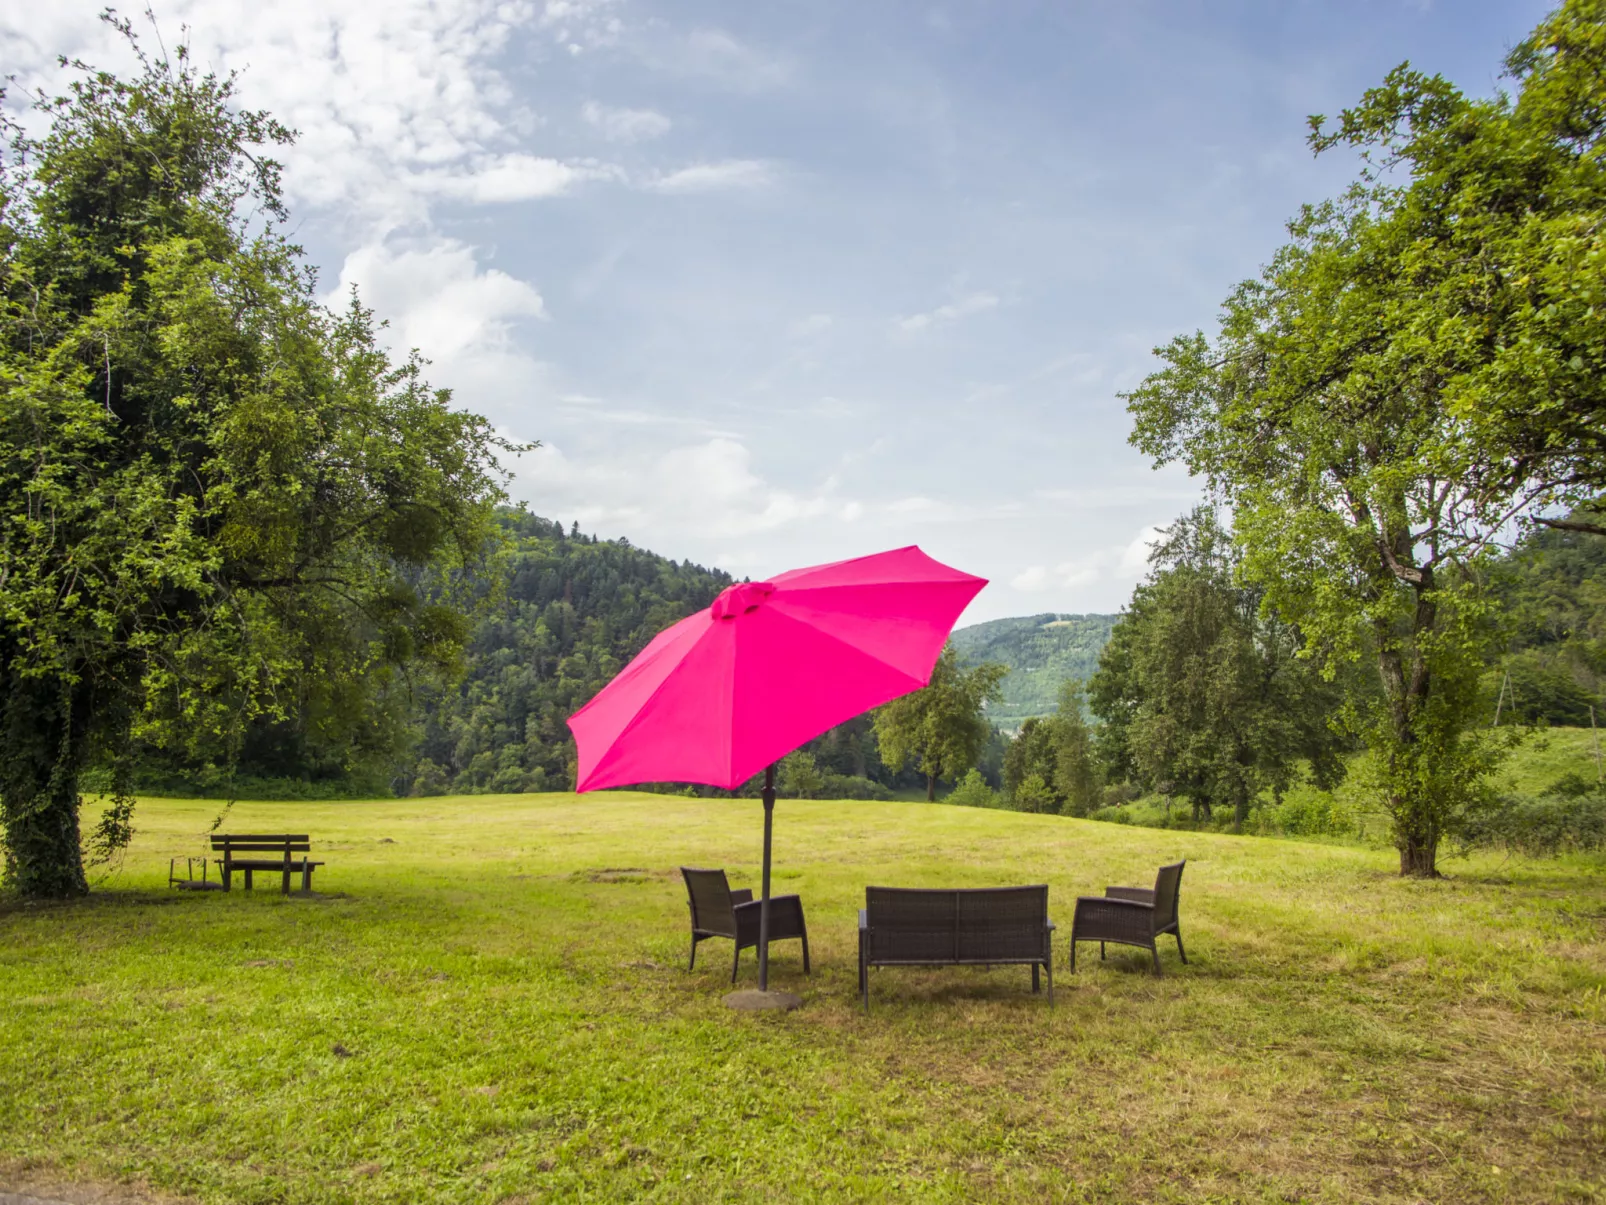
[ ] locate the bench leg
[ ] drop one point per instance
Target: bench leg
(806, 970)
(1049, 967)
(1180, 951)
(692, 965)
(1036, 984)
(247, 874)
(285, 889)
(1101, 951)
(306, 876)
(1155, 950)
(736, 961)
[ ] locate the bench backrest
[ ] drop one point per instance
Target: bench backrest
(989, 924)
(1167, 886)
(709, 894)
(249, 843)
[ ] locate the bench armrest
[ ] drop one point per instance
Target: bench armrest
(1141, 895)
(1117, 901)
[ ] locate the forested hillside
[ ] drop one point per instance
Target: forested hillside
(1552, 589)
(563, 612)
(1041, 651)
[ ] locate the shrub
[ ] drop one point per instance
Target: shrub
(1114, 814)
(1553, 823)
(1308, 812)
(850, 786)
(973, 792)
(1033, 795)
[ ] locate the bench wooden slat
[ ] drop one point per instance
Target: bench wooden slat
(283, 845)
(260, 847)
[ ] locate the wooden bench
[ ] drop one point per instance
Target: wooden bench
(285, 845)
(955, 927)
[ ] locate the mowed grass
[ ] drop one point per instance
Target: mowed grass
(492, 1005)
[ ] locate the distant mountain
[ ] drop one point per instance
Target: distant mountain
(1041, 651)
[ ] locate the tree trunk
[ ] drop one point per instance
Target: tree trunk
(1407, 683)
(931, 788)
(41, 744)
(1418, 857)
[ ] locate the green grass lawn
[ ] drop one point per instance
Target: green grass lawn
(490, 1004)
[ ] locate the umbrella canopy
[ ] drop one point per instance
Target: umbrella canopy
(731, 690)
(769, 666)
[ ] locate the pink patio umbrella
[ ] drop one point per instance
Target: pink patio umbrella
(770, 665)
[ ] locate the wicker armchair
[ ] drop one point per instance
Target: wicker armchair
(1131, 916)
(717, 911)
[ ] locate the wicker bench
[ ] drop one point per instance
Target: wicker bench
(285, 845)
(988, 926)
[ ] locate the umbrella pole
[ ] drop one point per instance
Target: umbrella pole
(764, 908)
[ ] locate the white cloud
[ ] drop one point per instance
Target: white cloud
(498, 179)
(975, 303)
(1123, 563)
(438, 297)
(706, 490)
(1031, 579)
(625, 125)
(395, 101)
(714, 177)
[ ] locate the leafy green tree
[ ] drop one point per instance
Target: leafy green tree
(942, 728)
(1417, 368)
(218, 498)
(1033, 794)
(1498, 309)
(798, 777)
(1031, 754)
(1201, 691)
(1076, 771)
(972, 791)
(1420, 365)
(1058, 752)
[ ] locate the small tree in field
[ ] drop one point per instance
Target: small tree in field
(218, 500)
(942, 728)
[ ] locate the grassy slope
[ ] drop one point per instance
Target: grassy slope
(521, 1027)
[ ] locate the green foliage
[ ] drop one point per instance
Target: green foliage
(1498, 310)
(941, 728)
(218, 500)
(1419, 365)
(1203, 693)
(1052, 759)
(1551, 590)
(560, 614)
(972, 791)
(1569, 818)
(798, 777)
(1042, 653)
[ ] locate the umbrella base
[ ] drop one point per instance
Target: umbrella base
(753, 1000)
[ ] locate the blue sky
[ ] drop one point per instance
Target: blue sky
(781, 283)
